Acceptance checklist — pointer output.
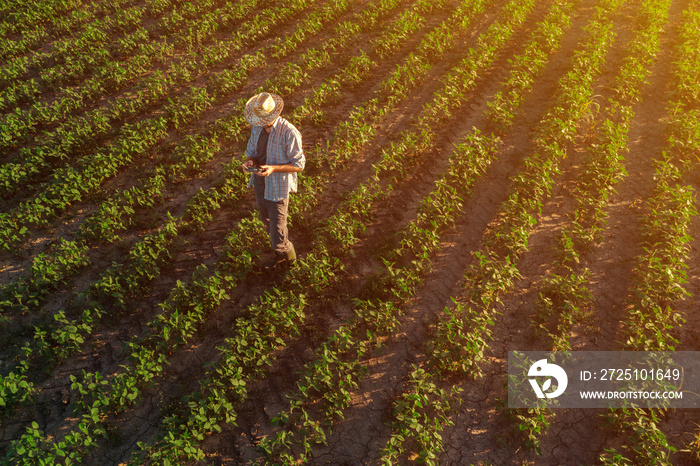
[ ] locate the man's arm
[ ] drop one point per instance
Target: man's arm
(266, 170)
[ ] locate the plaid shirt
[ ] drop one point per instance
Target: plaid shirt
(283, 147)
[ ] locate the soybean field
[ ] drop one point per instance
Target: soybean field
(481, 177)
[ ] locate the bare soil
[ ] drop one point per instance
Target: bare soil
(481, 433)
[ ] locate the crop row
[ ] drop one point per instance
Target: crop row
(70, 48)
(564, 299)
(327, 381)
(149, 255)
(204, 293)
(74, 58)
(459, 339)
(187, 159)
(47, 272)
(37, 33)
(79, 135)
(660, 272)
(211, 144)
(71, 184)
(199, 423)
(122, 281)
(138, 371)
(109, 75)
(509, 238)
(423, 430)
(181, 110)
(188, 26)
(418, 425)
(22, 17)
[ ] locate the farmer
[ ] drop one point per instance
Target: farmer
(274, 157)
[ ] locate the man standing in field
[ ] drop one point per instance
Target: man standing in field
(274, 157)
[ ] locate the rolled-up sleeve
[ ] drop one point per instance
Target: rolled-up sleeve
(296, 153)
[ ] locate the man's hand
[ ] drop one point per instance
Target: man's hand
(266, 170)
(246, 164)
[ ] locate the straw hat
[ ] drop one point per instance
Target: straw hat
(262, 109)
